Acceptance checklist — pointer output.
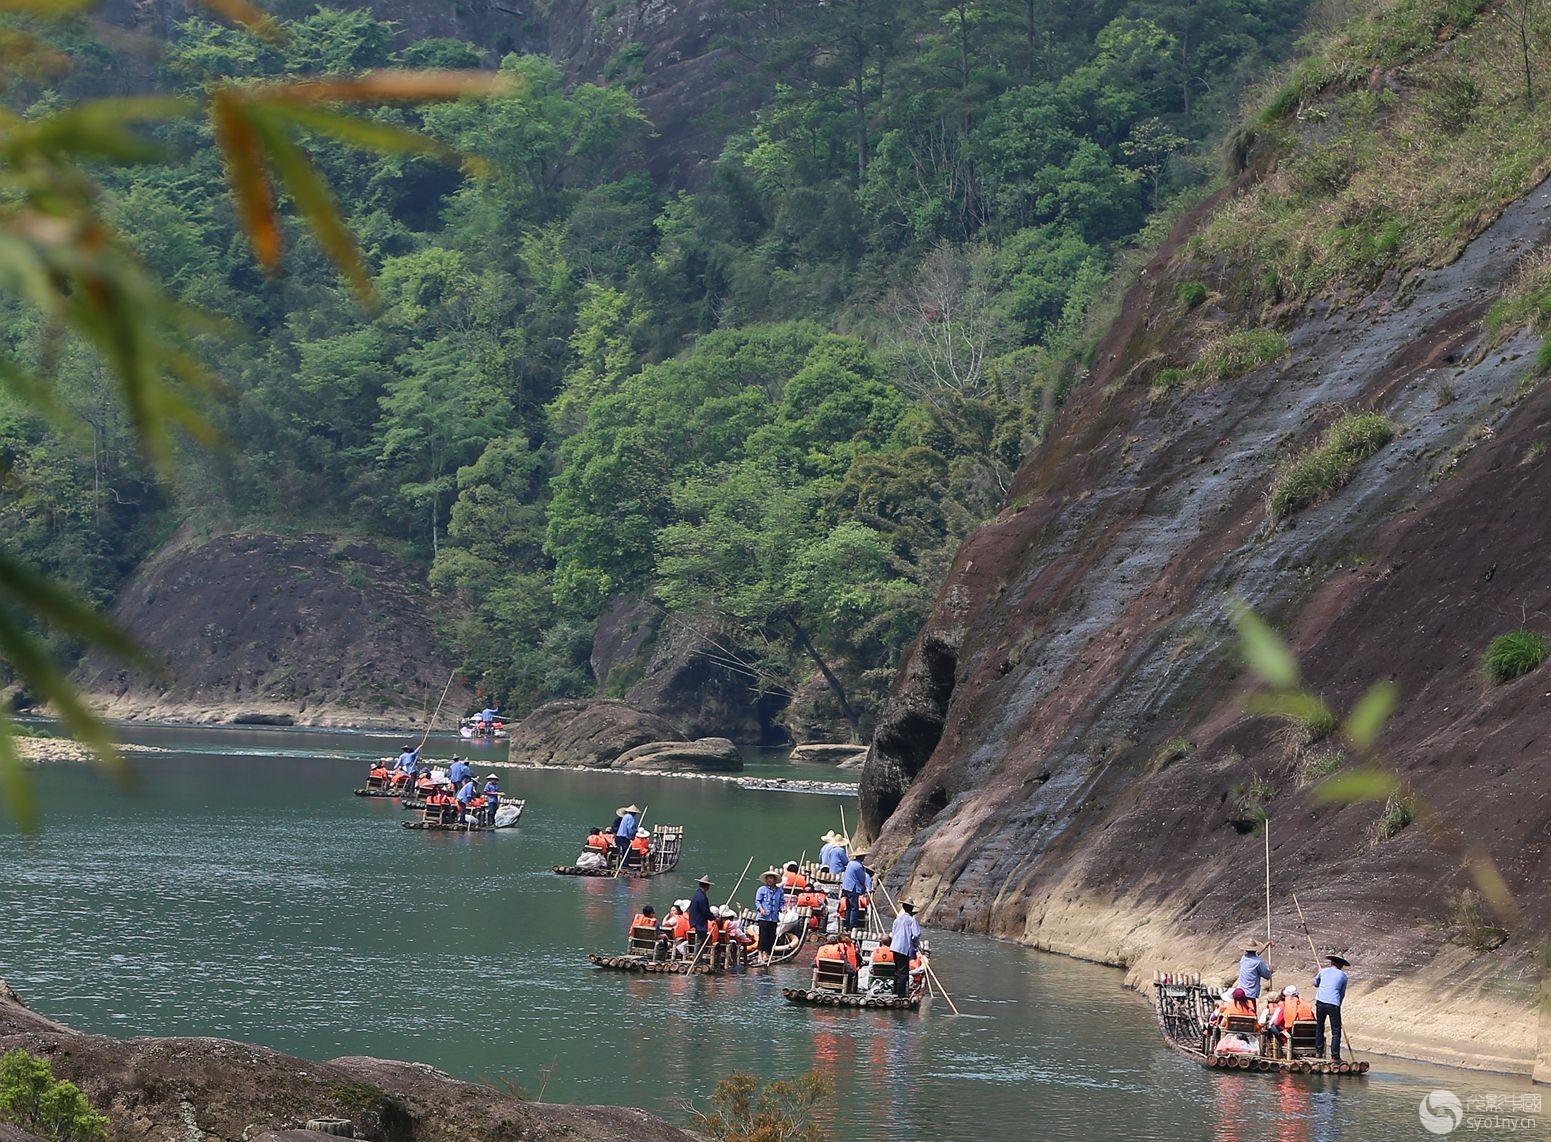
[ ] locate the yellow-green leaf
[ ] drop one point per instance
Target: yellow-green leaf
(244, 155)
(15, 789)
(1355, 785)
(1264, 650)
(249, 15)
(384, 138)
(391, 85)
(1366, 721)
(1298, 706)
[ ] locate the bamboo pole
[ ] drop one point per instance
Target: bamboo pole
(624, 852)
(438, 712)
(1315, 953)
(1268, 882)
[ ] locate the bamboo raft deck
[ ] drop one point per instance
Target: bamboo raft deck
(377, 791)
(667, 846)
(632, 963)
(1183, 1005)
(812, 998)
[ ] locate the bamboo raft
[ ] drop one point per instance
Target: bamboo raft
(811, 998)
(632, 963)
(376, 791)
(667, 846)
(1183, 1005)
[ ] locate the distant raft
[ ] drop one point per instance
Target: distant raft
(812, 998)
(1183, 1006)
(506, 815)
(666, 847)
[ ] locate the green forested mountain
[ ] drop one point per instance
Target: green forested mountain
(771, 402)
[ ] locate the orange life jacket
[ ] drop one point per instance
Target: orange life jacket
(641, 845)
(641, 921)
(810, 900)
(883, 954)
(379, 772)
(598, 841)
(681, 927)
(714, 931)
(1295, 1010)
(829, 952)
(1228, 1007)
(794, 880)
(848, 949)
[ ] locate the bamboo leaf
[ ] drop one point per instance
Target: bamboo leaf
(391, 85)
(45, 598)
(1355, 785)
(1264, 650)
(244, 155)
(98, 128)
(1299, 706)
(41, 397)
(315, 201)
(15, 789)
(384, 138)
(1366, 721)
(249, 15)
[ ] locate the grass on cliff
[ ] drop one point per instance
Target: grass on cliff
(1226, 356)
(1396, 141)
(1514, 655)
(1319, 473)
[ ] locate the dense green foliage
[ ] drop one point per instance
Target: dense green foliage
(772, 404)
(31, 1099)
(1514, 654)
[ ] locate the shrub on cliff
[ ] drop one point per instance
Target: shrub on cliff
(32, 1099)
(1514, 654)
(1317, 474)
(1234, 354)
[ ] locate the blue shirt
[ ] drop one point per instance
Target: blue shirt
(492, 791)
(458, 771)
(466, 794)
(769, 901)
(1330, 986)
(407, 760)
(833, 857)
(699, 910)
(1252, 969)
(906, 935)
(855, 878)
(626, 829)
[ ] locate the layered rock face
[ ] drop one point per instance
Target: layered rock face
(265, 629)
(1066, 759)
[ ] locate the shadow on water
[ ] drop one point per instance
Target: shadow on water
(246, 894)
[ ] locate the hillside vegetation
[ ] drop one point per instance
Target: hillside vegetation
(772, 405)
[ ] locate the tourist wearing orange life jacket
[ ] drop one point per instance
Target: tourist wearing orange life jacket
(1236, 1003)
(792, 880)
(832, 951)
(378, 776)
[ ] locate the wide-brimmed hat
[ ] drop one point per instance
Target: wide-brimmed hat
(1290, 989)
(859, 854)
(703, 879)
(492, 777)
(643, 832)
(775, 872)
(908, 905)
(623, 809)
(1339, 961)
(833, 838)
(726, 913)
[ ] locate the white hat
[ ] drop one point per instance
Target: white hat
(643, 832)
(725, 912)
(683, 905)
(1289, 990)
(791, 866)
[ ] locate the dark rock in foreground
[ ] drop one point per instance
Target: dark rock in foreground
(590, 734)
(223, 1091)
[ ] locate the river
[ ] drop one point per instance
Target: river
(244, 893)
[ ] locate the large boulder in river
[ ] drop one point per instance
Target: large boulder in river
(841, 754)
(717, 754)
(590, 733)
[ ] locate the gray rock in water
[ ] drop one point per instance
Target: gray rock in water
(830, 753)
(703, 753)
(586, 733)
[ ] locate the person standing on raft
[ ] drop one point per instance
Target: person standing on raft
(1253, 968)
(1329, 992)
(903, 942)
(699, 911)
(833, 855)
(624, 829)
(853, 886)
(768, 902)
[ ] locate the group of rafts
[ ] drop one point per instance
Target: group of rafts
(432, 792)
(852, 967)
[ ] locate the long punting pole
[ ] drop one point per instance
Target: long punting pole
(438, 712)
(1315, 953)
(730, 895)
(1268, 881)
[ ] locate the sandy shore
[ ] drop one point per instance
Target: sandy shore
(41, 751)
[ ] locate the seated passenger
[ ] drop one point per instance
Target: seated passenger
(793, 880)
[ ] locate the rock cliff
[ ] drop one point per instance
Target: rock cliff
(1066, 759)
(262, 628)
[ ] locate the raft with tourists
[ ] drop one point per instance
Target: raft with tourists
(1185, 1008)
(637, 853)
(437, 819)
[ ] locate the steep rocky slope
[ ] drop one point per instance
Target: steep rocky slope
(1066, 759)
(261, 627)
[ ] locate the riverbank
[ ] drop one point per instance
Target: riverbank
(42, 751)
(776, 784)
(219, 1090)
(1458, 1008)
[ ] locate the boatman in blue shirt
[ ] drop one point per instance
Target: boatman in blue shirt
(768, 902)
(1253, 968)
(624, 831)
(1329, 991)
(492, 793)
(833, 855)
(407, 763)
(854, 884)
(465, 795)
(459, 771)
(904, 942)
(699, 912)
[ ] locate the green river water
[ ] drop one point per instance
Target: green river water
(244, 893)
